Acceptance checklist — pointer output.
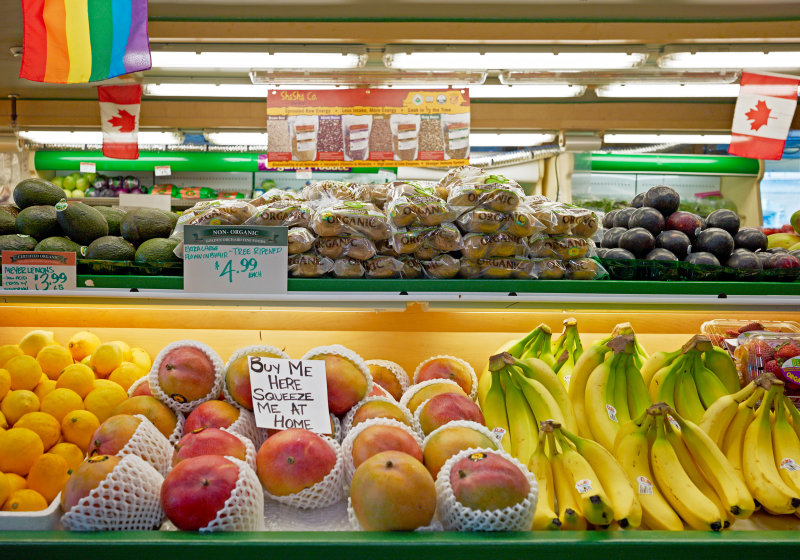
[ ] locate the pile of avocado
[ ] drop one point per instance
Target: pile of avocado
(107, 238)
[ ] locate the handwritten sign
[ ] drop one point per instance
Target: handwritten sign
(162, 170)
(289, 394)
(235, 259)
(38, 270)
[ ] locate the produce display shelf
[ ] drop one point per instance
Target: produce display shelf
(579, 545)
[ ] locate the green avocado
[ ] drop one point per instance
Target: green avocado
(115, 251)
(8, 221)
(37, 192)
(156, 251)
(113, 216)
(58, 244)
(17, 242)
(142, 224)
(81, 222)
(38, 222)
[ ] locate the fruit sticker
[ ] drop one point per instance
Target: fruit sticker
(478, 456)
(583, 486)
(674, 423)
(790, 465)
(612, 413)
(791, 370)
(498, 433)
(97, 458)
(645, 485)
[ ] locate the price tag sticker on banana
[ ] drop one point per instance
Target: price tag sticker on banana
(289, 394)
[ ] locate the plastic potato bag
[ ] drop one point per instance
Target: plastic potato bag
(309, 265)
(355, 246)
(416, 202)
(517, 268)
(349, 218)
(564, 247)
(286, 212)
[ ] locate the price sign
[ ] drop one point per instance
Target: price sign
(162, 170)
(235, 259)
(303, 174)
(289, 394)
(38, 270)
(88, 167)
(128, 201)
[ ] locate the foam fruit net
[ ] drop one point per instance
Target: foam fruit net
(456, 516)
(151, 445)
(128, 499)
(347, 444)
(244, 508)
(399, 373)
(245, 426)
(186, 407)
(473, 392)
(347, 423)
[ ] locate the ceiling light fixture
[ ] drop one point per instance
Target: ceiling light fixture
(655, 89)
(509, 139)
(774, 57)
(231, 59)
(237, 138)
(94, 137)
(522, 91)
(667, 138)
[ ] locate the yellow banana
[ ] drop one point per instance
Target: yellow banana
(521, 423)
(600, 413)
(656, 362)
(628, 427)
(564, 370)
(627, 509)
(719, 415)
(494, 410)
(662, 386)
(620, 389)
(638, 397)
(709, 386)
(545, 516)
(758, 462)
(721, 364)
(786, 445)
(534, 368)
(592, 357)
(569, 513)
(734, 436)
(687, 401)
(634, 458)
(691, 504)
(727, 483)
(542, 403)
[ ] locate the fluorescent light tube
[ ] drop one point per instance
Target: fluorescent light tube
(635, 138)
(655, 89)
(495, 60)
(83, 137)
(500, 91)
(220, 90)
(237, 138)
(233, 60)
(509, 139)
(715, 60)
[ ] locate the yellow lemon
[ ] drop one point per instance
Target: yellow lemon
(24, 371)
(60, 402)
(25, 500)
(78, 427)
(34, 341)
(44, 388)
(87, 361)
(5, 383)
(103, 400)
(126, 374)
(104, 383)
(127, 354)
(72, 454)
(8, 351)
(18, 403)
(141, 358)
(78, 377)
(16, 481)
(5, 488)
(3, 422)
(48, 475)
(53, 359)
(82, 344)
(19, 448)
(106, 358)
(46, 427)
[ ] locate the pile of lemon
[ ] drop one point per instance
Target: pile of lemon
(52, 399)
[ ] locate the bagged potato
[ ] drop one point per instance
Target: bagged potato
(548, 269)
(309, 265)
(481, 220)
(416, 202)
(300, 240)
(585, 269)
(471, 189)
(326, 191)
(412, 267)
(522, 223)
(426, 240)
(479, 246)
(565, 219)
(442, 266)
(383, 266)
(349, 218)
(348, 268)
(284, 212)
(355, 246)
(497, 268)
(564, 247)
(274, 195)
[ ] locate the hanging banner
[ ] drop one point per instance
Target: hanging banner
(367, 128)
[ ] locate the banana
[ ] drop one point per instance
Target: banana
(656, 362)
(518, 347)
(632, 454)
(734, 436)
(721, 364)
(628, 427)
(786, 445)
(687, 401)
(494, 410)
(541, 402)
(564, 370)
(600, 413)
(662, 386)
(592, 357)
(727, 483)
(794, 414)
(545, 516)
(691, 504)
(640, 356)
(620, 389)
(718, 416)
(534, 368)
(638, 397)
(569, 513)
(521, 423)
(541, 346)
(709, 386)
(627, 509)
(586, 487)
(758, 463)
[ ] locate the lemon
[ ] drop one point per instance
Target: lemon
(126, 374)
(141, 358)
(5, 488)
(34, 341)
(19, 448)
(60, 402)
(53, 359)
(127, 354)
(18, 403)
(87, 361)
(25, 500)
(103, 400)
(71, 453)
(16, 481)
(82, 344)
(78, 427)
(8, 351)
(78, 377)
(25, 372)
(5, 383)
(48, 475)
(44, 388)
(3, 422)
(46, 427)
(106, 358)
(104, 383)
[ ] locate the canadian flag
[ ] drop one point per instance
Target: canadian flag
(119, 114)
(763, 115)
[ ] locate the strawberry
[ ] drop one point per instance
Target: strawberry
(752, 326)
(761, 349)
(772, 367)
(731, 334)
(788, 350)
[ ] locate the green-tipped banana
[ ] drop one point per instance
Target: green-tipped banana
(709, 387)
(657, 361)
(733, 442)
(534, 368)
(592, 357)
(494, 409)
(600, 412)
(620, 389)
(662, 386)
(721, 364)
(638, 396)
(542, 403)
(719, 415)
(569, 512)
(786, 445)
(687, 401)
(541, 347)
(628, 427)
(524, 431)
(545, 517)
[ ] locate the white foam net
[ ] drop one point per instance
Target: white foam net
(244, 352)
(347, 443)
(458, 517)
(250, 450)
(355, 524)
(459, 424)
(186, 407)
(473, 388)
(245, 426)
(151, 445)
(414, 389)
(418, 425)
(324, 493)
(127, 499)
(339, 350)
(244, 508)
(397, 369)
(347, 422)
(135, 384)
(177, 433)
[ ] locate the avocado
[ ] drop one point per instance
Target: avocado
(156, 251)
(80, 222)
(114, 250)
(8, 221)
(142, 224)
(38, 222)
(58, 244)
(37, 192)
(113, 216)
(17, 242)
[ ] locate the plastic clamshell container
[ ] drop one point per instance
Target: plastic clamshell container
(45, 520)
(721, 331)
(758, 348)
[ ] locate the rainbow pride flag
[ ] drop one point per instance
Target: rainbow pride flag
(79, 41)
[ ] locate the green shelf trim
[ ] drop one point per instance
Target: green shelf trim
(673, 163)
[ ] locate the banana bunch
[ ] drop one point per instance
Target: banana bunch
(580, 484)
(691, 378)
(606, 389)
(566, 350)
(680, 474)
(521, 395)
